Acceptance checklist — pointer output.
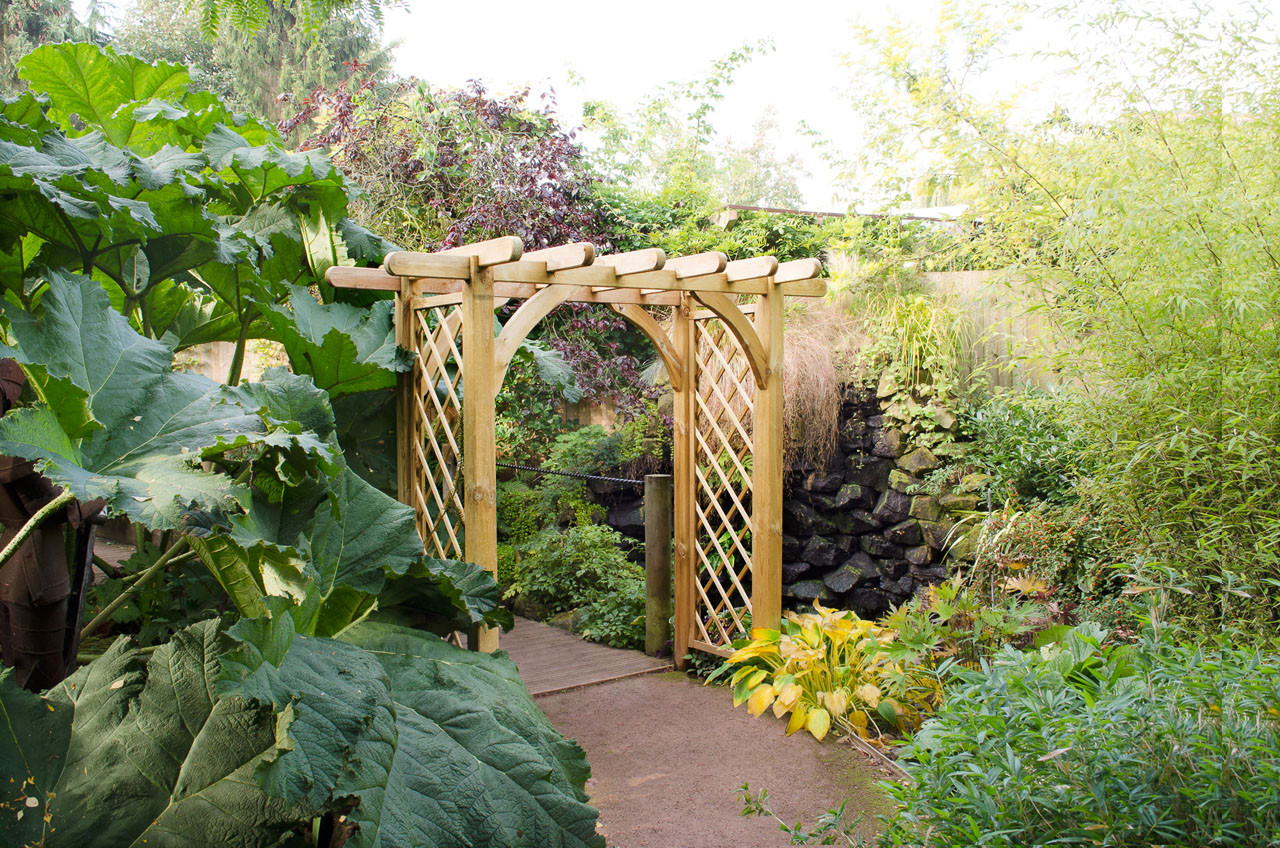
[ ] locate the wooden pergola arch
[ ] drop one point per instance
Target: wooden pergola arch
(724, 360)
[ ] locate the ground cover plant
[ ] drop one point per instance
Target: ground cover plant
(141, 218)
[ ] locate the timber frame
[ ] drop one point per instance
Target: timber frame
(724, 361)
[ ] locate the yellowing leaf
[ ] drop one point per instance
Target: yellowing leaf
(858, 718)
(1025, 585)
(760, 699)
(837, 702)
(798, 717)
(790, 694)
(818, 723)
(869, 694)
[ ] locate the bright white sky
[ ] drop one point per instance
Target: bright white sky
(621, 51)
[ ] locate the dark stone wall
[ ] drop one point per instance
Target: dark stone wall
(855, 536)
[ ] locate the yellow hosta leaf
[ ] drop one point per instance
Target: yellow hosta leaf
(798, 717)
(779, 709)
(755, 649)
(760, 699)
(818, 723)
(790, 694)
(756, 679)
(837, 702)
(869, 694)
(858, 718)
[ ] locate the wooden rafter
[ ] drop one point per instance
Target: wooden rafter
(723, 367)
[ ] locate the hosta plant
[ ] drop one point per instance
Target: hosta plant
(828, 668)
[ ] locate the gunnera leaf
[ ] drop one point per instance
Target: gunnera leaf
(440, 747)
(123, 753)
(156, 424)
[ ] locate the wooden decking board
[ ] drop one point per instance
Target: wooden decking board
(551, 660)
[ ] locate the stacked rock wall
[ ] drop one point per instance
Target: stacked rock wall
(856, 535)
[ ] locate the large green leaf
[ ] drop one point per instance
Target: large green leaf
(343, 348)
(92, 86)
(441, 746)
(475, 761)
(156, 424)
(334, 546)
(367, 432)
(123, 753)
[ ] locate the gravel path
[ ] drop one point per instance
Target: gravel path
(668, 755)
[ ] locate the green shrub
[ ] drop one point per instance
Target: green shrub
(587, 450)
(564, 570)
(520, 512)
(1022, 441)
(616, 618)
(1080, 745)
(645, 442)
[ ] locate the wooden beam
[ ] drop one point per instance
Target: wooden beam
(479, 434)
(804, 288)
(452, 299)
(427, 289)
(634, 261)
(405, 263)
(750, 269)
(766, 470)
(565, 256)
(340, 276)
(491, 252)
(798, 269)
(741, 328)
(519, 325)
(697, 264)
(645, 323)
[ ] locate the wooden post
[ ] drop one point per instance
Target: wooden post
(657, 562)
(480, 475)
(766, 472)
(683, 459)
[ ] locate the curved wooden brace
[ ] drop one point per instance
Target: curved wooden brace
(645, 323)
(728, 312)
(519, 326)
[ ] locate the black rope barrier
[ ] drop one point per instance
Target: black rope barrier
(573, 474)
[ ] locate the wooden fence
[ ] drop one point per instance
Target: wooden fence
(1005, 339)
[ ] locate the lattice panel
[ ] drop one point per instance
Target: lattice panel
(722, 471)
(436, 480)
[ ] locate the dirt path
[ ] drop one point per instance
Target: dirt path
(668, 755)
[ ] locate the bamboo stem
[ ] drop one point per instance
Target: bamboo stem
(34, 522)
(160, 565)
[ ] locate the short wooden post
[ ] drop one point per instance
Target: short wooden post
(658, 513)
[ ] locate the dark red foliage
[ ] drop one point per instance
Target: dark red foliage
(483, 166)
